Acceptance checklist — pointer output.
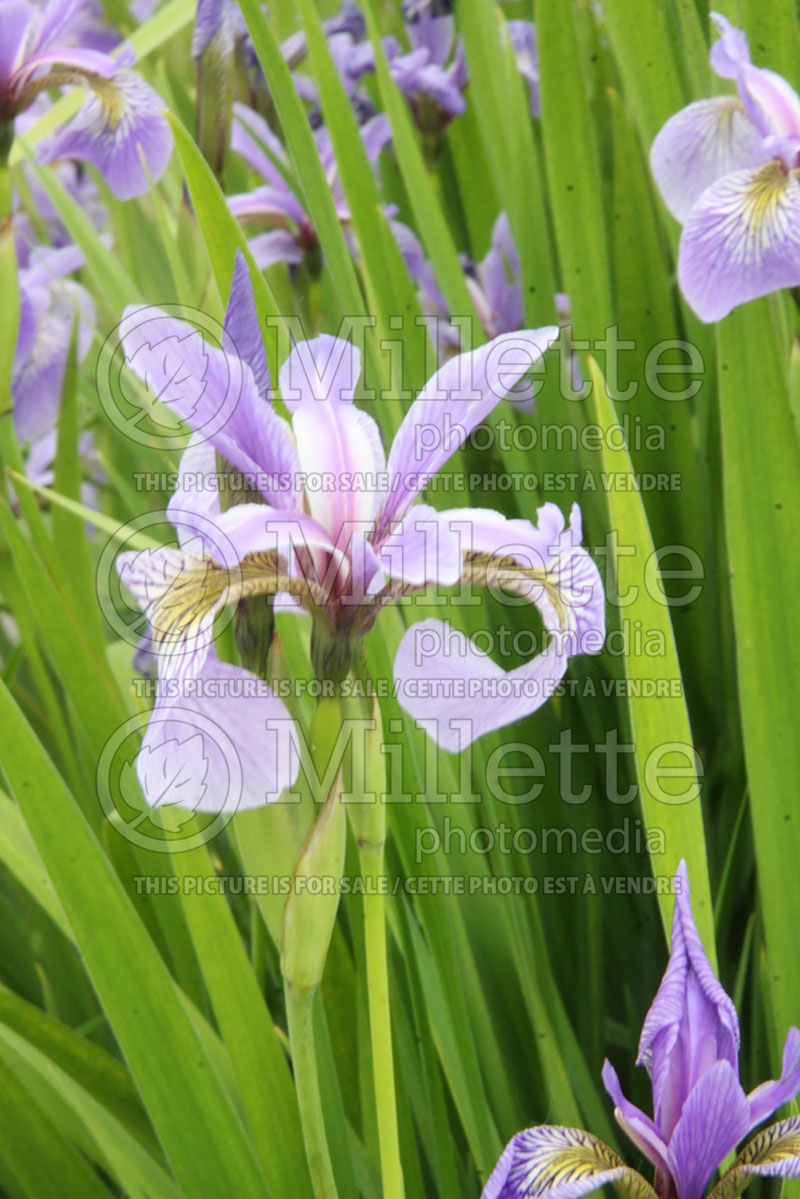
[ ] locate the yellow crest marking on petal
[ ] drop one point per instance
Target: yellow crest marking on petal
(778, 1143)
(549, 1158)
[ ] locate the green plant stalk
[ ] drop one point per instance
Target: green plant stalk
(368, 821)
(380, 1023)
(299, 1013)
(307, 926)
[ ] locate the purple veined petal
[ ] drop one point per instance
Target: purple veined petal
(700, 144)
(57, 17)
(376, 133)
(452, 403)
(422, 549)
(16, 18)
(252, 137)
(325, 369)
(207, 24)
(112, 132)
(714, 1119)
(426, 78)
(226, 744)
(498, 274)
(241, 325)
(523, 39)
(638, 1126)
(435, 34)
(213, 391)
(50, 307)
(741, 241)
(194, 504)
(457, 693)
(768, 1097)
(419, 268)
(79, 58)
(267, 204)
(692, 1023)
(303, 545)
(340, 446)
(560, 1163)
(774, 1153)
(772, 103)
(274, 246)
(177, 591)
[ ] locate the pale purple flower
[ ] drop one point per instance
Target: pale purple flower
(523, 40)
(336, 526)
(50, 308)
(431, 74)
(727, 170)
(121, 119)
(494, 283)
(290, 234)
(689, 1045)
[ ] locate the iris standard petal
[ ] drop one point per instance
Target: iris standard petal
(452, 403)
(767, 1098)
(714, 1119)
(325, 368)
(691, 1024)
(561, 1163)
(226, 744)
(113, 127)
(741, 241)
(700, 144)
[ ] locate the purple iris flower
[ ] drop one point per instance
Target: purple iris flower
(494, 284)
(689, 1045)
(290, 233)
(121, 118)
(335, 525)
(727, 170)
(523, 39)
(50, 305)
(432, 73)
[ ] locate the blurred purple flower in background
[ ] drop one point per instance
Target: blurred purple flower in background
(727, 170)
(493, 282)
(121, 118)
(690, 1047)
(290, 235)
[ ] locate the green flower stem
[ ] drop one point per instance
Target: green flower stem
(308, 923)
(380, 1024)
(368, 821)
(299, 1012)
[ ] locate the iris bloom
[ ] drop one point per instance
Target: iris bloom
(432, 74)
(290, 235)
(122, 115)
(49, 305)
(337, 527)
(727, 170)
(689, 1045)
(493, 283)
